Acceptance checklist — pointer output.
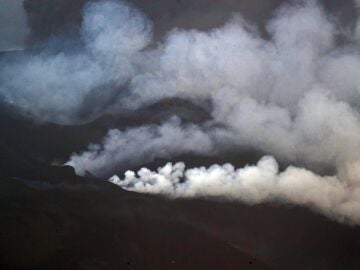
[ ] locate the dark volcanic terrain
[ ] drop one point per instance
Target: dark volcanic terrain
(53, 219)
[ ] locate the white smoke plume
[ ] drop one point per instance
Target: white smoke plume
(252, 184)
(293, 95)
(143, 144)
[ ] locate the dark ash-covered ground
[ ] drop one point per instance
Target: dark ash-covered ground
(53, 219)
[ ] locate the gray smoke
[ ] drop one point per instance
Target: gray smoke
(58, 87)
(293, 94)
(143, 144)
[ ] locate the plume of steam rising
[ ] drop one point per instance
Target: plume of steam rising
(294, 95)
(252, 184)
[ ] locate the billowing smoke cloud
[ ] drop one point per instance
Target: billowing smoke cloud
(59, 87)
(252, 184)
(293, 94)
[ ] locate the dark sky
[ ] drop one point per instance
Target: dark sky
(12, 24)
(166, 14)
(209, 13)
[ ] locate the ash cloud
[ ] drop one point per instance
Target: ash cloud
(292, 93)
